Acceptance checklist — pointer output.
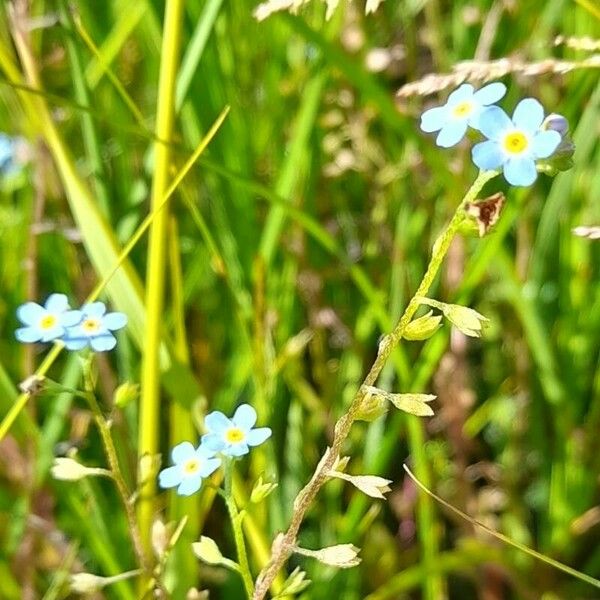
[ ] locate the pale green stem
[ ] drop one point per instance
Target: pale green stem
(149, 404)
(306, 496)
(238, 534)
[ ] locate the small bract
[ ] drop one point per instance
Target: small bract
(463, 108)
(233, 437)
(191, 466)
(515, 144)
(48, 322)
(95, 328)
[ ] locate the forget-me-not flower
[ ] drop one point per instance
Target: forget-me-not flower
(515, 144)
(463, 108)
(48, 322)
(191, 466)
(233, 436)
(95, 328)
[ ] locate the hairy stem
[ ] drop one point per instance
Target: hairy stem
(238, 534)
(285, 544)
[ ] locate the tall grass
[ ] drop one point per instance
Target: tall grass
(287, 237)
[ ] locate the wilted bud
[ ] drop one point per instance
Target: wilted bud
(207, 551)
(342, 556)
(466, 319)
(68, 469)
(372, 485)
(160, 538)
(86, 583)
(34, 384)
(423, 327)
(294, 584)
(261, 490)
(414, 404)
(127, 392)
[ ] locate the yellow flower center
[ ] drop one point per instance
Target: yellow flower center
(463, 109)
(191, 466)
(515, 142)
(234, 435)
(48, 322)
(90, 325)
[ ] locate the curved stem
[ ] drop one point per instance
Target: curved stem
(236, 522)
(282, 550)
(113, 462)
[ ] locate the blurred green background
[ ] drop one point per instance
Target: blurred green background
(296, 242)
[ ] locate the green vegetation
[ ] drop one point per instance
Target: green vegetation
(272, 204)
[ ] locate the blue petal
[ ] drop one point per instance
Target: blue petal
(244, 417)
(464, 92)
(205, 451)
(114, 320)
(258, 436)
(189, 486)
(94, 309)
(217, 422)
(182, 452)
(520, 171)
(75, 343)
(57, 303)
(30, 313)
(213, 441)
(104, 342)
(236, 450)
(451, 133)
(169, 477)
(545, 143)
(528, 115)
(53, 333)
(490, 93)
(209, 466)
(434, 119)
(28, 335)
(487, 155)
(70, 318)
(493, 122)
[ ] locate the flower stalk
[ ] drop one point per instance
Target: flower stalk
(285, 545)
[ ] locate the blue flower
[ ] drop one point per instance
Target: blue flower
(191, 466)
(463, 108)
(95, 328)
(233, 437)
(13, 153)
(48, 322)
(515, 144)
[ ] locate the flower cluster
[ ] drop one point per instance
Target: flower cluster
(513, 145)
(226, 437)
(91, 325)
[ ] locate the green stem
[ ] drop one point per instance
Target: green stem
(113, 462)
(236, 523)
(342, 428)
(149, 405)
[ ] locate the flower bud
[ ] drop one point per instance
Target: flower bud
(261, 490)
(68, 469)
(126, 393)
(342, 556)
(207, 551)
(294, 584)
(86, 583)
